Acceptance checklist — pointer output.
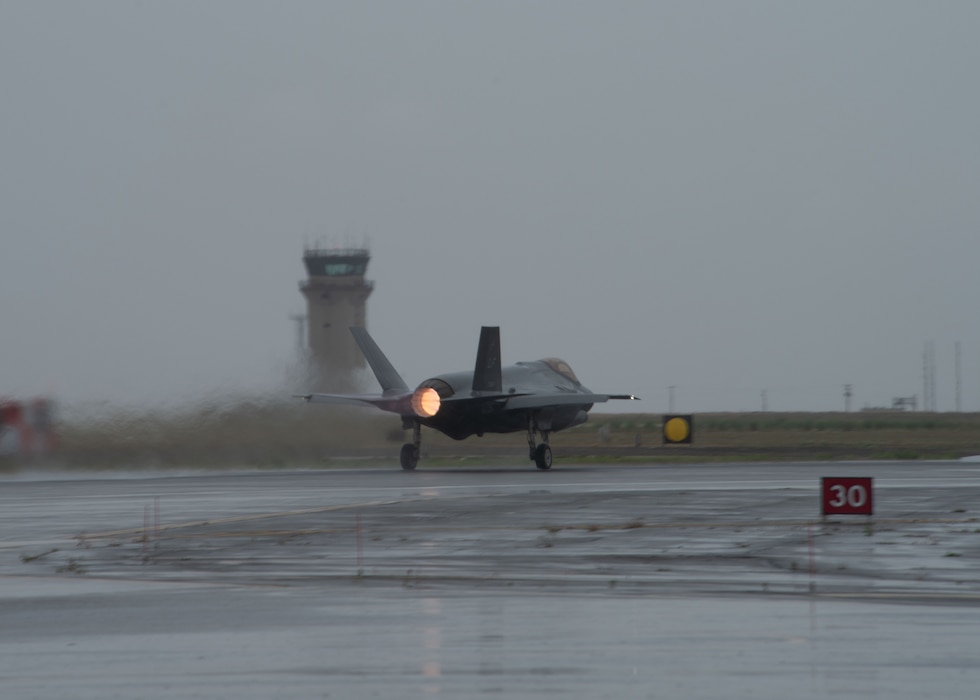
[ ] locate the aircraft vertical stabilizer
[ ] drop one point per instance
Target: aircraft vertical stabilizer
(486, 376)
(388, 377)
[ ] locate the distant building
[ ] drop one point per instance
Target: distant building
(27, 427)
(336, 298)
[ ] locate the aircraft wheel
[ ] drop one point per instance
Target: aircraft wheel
(409, 457)
(542, 456)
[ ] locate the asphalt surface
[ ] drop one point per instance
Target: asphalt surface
(694, 581)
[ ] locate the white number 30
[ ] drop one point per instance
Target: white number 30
(854, 496)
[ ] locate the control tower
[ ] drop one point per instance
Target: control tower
(336, 297)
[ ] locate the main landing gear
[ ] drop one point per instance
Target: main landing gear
(410, 450)
(540, 454)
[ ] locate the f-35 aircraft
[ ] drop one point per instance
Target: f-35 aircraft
(540, 397)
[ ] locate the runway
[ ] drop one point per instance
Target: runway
(644, 581)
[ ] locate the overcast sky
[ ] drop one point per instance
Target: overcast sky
(726, 197)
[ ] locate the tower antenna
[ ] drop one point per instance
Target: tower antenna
(956, 354)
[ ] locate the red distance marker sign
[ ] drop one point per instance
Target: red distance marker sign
(847, 496)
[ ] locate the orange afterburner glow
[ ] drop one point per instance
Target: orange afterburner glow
(426, 402)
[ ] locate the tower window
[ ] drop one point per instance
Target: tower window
(342, 269)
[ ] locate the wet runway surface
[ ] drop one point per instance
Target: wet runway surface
(601, 581)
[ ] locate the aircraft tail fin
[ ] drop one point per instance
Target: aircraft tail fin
(388, 377)
(486, 375)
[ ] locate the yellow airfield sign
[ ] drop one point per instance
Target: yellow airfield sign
(678, 429)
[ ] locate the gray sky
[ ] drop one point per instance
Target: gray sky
(728, 197)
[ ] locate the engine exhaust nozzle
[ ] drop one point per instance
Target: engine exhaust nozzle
(426, 402)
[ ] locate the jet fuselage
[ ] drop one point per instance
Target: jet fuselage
(461, 419)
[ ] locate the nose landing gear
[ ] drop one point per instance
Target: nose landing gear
(542, 456)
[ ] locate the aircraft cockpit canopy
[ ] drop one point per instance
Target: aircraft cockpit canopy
(563, 368)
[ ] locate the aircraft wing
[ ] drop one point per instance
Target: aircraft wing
(561, 399)
(338, 398)
(394, 403)
(399, 403)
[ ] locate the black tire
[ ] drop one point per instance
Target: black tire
(542, 456)
(409, 457)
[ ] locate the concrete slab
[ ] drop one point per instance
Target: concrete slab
(606, 581)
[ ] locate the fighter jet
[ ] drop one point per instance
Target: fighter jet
(540, 397)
